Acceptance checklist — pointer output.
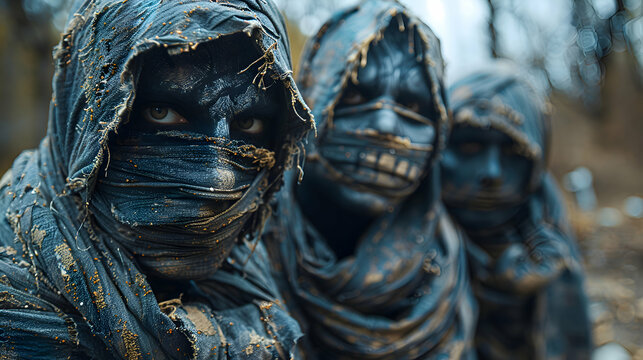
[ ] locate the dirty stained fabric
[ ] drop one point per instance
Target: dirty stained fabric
(404, 292)
(533, 306)
(71, 290)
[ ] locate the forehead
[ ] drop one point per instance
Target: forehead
(397, 52)
(201, 77)
(229, 54)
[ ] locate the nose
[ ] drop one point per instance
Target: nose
(491, 171)
(386, 121)
(219, 113)
(221, 128)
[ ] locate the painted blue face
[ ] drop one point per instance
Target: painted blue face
(484, 177)
(203, 92)
(391, 98)
(187, 108)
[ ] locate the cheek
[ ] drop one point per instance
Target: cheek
(516, 171)
(418, 133)
(352, 122)
(458, 170)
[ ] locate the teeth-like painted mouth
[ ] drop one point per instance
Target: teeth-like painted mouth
(379, 169)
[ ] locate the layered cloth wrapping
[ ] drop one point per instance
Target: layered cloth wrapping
(404, 292)
(533, 306)
(69, 288)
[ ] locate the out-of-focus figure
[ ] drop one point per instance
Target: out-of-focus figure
(525, 265)
(373, 267)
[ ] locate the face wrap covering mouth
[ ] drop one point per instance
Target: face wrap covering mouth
(371, 161)
(180, 206)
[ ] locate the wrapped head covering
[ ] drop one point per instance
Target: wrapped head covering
(527, 272)
(499, 99)
(403, 293)
(68, 288)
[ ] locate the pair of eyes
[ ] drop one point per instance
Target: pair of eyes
(164, 115)
(353, 97)
(473, 147)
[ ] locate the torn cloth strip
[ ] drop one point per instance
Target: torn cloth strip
(534, 308)
(71, 290)
(404, 292)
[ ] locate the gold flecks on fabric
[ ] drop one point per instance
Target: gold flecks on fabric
(8, 250)
(4, 279)
(256, 341)
(7, 353)
(8, 300)
(37, 236)
(265, 158)
(99, 298)
(64, 254)
(131, 344)
(200, 320)
(139, 279)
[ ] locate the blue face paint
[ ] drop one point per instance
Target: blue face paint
(524, 262)
(373, 267)
(484, 177)
(377, 147)
(160, 161)
(186, 168)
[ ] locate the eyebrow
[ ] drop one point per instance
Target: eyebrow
(188, 93)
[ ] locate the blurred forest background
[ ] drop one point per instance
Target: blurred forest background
(587, 54)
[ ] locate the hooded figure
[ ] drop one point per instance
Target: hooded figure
(129, 232)
(372, 265)
(525, 265)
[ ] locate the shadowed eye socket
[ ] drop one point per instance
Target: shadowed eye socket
(510, 149)
(469, 148)
(352, 97)
(413, 106)
(160, 114)
(252, 126)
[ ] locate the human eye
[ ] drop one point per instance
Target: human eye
(469, 147)
(413, 106)
(163, 115)
(352, 97)
(511, 149)
(249, 125)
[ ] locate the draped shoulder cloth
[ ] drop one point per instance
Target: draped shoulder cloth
(70, 290)
(532, 302)
(404, 293)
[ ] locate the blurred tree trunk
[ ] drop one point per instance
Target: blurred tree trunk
(26, 68)
(493, 41)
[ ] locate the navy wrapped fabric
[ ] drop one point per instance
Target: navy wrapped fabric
(527, 272)
(404, 292)
(70, 290)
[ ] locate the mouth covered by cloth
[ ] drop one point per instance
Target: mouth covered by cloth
(180, 207)
(70, 288)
